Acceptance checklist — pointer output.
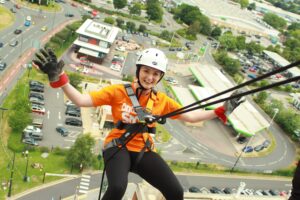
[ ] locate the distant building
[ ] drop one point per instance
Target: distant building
(279, 61)
(94, 40)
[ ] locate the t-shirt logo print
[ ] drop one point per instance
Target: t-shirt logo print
(128, 114)
(154, 63)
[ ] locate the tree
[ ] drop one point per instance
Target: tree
(253, 48)
(205, 26)
(166, 35)
(274, 20)
(216, 32)
(120, 23)
(154, 10)
(19, 116)
(228, 42)
(294, 26)
(251, 6)
(75, 79)
(261, 97)
(142, 28)
(136, 9)
(130, 26)
(119, 4)
(18, 120)
(109, 20)
(240, 42)
(244, 3)
(194, 28)
(232, 66)
(81, 152)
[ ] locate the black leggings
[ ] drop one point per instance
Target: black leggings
(151, 168)
(296, 184)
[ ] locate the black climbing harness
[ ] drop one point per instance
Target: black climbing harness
(147, 118)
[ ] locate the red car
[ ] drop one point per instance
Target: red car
(73, 4)
(37, 109)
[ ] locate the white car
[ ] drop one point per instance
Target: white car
(171, 80)
(28, 18)
(2, 1)
(116, 67)
(31, 129)
(120, 48)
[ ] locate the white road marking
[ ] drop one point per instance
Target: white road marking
(48, 114)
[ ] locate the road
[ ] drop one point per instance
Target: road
(67, 188)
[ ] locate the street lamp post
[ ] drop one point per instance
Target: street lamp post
(11, 176)
(276, 110)
(25, 179)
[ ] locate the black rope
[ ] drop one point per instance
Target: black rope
(182, 110)
(234, 96)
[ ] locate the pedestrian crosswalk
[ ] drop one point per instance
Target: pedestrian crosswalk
(84, 184)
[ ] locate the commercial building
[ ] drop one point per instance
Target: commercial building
(245, 119)
(94, 40)
(279, 61)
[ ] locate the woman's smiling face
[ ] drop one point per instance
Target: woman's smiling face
(149, 77)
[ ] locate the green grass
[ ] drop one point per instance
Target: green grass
(50, 8)
(7, 18)
(162, 134)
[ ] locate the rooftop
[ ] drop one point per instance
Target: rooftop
(98, 31)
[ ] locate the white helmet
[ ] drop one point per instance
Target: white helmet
(154, 58)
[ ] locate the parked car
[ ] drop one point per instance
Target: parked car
(36, 100)
(73, 107)
(14, 43)
(34, 135)
(13, 10)
(266, 143)
(247, 149)
(44, 28)
(120, 48)
(38, 122)
(171, 80)
(37, 88)
(1, 44)
(18, 31)
(259, 148)
(30, 141)
(3, 66)
(70, 103)
(73, 112)
(215, 190)
(194, 189)
(27, 23)
(73, 121)
(36, 83)
(37, 109)
(242, 139)
(36, 95)
(28, 18)
(69, 15)
(227, 190)
(31, 129)
(63, 131)
(125, 38)
(116, 67)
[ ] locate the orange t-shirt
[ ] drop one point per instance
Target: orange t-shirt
(122, 109)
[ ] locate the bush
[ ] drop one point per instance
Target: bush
(59, 151)
(109, 20)
(44, 149)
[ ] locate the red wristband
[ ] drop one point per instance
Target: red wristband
(63, 79)
(220, 112)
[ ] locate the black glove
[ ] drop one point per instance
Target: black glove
(232, 104)
(46, 60)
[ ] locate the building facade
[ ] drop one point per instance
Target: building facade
(94, 40)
